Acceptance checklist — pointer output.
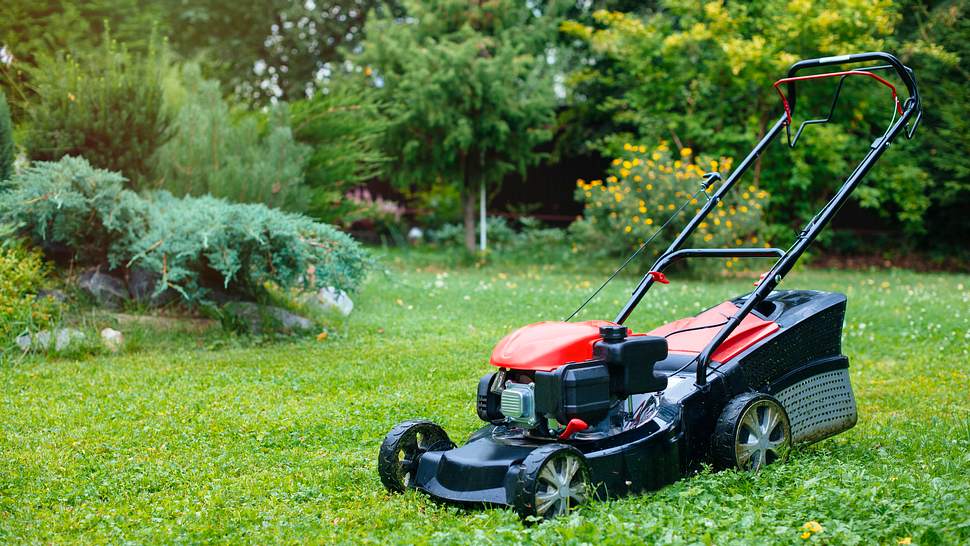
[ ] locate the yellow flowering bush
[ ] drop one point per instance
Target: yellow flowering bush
(645, 186)
(21, 273)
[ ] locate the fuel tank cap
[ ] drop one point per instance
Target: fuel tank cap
(613, 333)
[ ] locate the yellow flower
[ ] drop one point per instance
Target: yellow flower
(812, 526)
(580, 182)
(637, 178)
(686, 152)
(649, 186)
(642, 149)
(624, 173)
(671, 206)
(655, 156)
(628, 229)
(806, 535)
(743, 208)
(905, 540)
(627, 165)
(617, 161)
(648, 221)
(611, 179)
(628, 147)
(618, 196)
(643, 209)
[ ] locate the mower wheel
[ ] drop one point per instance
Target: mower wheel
(554, 479)
(403, 447)
(752, 431)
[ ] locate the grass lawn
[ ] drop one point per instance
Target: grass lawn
(278, 443)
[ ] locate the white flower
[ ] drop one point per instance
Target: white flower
(6, 56)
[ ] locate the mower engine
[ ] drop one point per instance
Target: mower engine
(533, 394)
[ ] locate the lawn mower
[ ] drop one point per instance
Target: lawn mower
(582, 410)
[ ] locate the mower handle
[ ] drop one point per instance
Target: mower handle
(904, 73)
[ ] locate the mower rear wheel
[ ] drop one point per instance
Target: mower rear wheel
(554, 479)
(752, 431)
(403, 447)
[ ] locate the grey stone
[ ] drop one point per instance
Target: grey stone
(107, 291)
(142, 284)
(54, 294)
(329, 299)
(266, 318)
(23, 341)
(112, 339)
(63, 338)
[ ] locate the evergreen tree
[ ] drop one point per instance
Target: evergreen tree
(468, 88)
(6, 140)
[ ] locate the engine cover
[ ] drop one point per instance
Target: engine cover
(545, 346)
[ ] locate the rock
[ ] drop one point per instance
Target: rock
(265, 318)
(327, 300)
(63, 338)
(23, 341)
(55, 295)
(106, 290)
(415, 235)
(112, 339)
(142, 284)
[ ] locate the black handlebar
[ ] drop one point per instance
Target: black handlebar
(904, 73)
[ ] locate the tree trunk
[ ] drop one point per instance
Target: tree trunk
(470, 202)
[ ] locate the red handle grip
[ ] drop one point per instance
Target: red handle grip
(784, 100)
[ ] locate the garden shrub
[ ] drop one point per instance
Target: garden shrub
(22, 274)
(235, 155)
(68, 202)
(193, 243)
(107, 107)
(344, 127)
(646, 186)
(6, 141)
(244, 245)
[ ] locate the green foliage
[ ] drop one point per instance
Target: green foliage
(187, 444)
(344, 127)
(246, 245)
(701, 74)
(647, 186)
(268, 49)
(22, 273)
(106, 106)
(467, 91)
(7, 150)
(938, 48)
(194, 244)
(72, 203)
(236, 156)
(35, 29)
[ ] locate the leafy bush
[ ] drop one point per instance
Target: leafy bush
(214, 151)
(193, 244)
(107, 106)
(244, 245)
(343, 126)
(6, 141)
(22, 273)
(703, 74)
(646, 186)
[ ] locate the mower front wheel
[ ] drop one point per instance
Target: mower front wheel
(752, 431)
(554, 479)
(402, 449)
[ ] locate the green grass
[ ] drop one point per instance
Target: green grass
(278, 443)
